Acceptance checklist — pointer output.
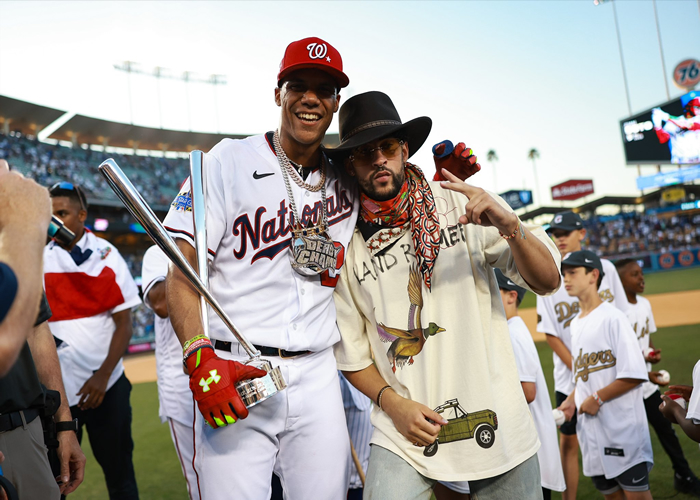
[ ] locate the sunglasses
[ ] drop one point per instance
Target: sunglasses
(68, 186)
(389, 148)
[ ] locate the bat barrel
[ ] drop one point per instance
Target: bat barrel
(198, 186)
(136, 205)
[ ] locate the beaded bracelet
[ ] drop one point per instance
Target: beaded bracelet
(514, 233)
(597, 399)
(379, 396)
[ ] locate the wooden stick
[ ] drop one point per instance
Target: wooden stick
(358, 465)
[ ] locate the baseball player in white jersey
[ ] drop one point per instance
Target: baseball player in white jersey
(176, 405)
(642, 320)
(682, 133)
(265, 192)
(608, 370)
(554, 316)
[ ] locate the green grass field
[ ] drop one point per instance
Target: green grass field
(159, 475)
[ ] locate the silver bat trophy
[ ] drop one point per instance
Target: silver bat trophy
(252, 391)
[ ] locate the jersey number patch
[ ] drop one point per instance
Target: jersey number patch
(326, 279)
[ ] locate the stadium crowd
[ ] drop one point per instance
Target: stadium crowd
(635, 233)
(156, 178)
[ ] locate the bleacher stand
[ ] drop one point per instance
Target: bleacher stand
(635, 233)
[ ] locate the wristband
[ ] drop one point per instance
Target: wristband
(597, 399)
(68, 425)
(379, 396)
(192, 341)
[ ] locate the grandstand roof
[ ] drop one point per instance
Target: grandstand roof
(90, 130)
(26, 117)
(30, 118)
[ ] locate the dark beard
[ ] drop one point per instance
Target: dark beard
(397, 181)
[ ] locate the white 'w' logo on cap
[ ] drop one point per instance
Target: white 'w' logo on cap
(317, 50)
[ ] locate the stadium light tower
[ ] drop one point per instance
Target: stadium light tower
(619, 45)
(185, 76)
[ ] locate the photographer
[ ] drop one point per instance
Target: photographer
(25, 211)
(24, 215)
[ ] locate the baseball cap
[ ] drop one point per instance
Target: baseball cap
(506, 284)
(313, 53)
(568, 221)
(583, 258)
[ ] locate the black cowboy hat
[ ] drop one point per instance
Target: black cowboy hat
(370, 116)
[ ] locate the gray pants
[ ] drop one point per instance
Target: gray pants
(26, 463)
(390, 477)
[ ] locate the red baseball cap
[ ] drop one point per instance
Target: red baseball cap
(313, 53)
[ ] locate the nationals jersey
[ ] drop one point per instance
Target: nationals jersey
(530, 370)
(463, 367)
(249, 234)
(642, 321)
(554, 315)
(604, 349)
(83, 297)
(174, 395)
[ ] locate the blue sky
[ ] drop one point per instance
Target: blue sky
(502, 75)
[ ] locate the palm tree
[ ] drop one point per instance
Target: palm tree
(533, 155)
(491, 157)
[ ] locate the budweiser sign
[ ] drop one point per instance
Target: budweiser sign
(572, 190)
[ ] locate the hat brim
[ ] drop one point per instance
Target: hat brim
(563, 228)
(340, 77)
(415, 132)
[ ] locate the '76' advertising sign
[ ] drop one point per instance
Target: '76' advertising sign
(687, 73)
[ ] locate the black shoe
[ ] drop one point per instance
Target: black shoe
(688, 484)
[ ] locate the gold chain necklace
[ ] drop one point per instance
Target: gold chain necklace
(293, 173)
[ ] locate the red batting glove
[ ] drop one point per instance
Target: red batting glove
(458, 160)
(212, 381)
(662, 135)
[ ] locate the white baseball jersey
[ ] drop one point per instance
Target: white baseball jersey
(642, 321)
(694, 403)
(174, 395)
(250, 274)
(83, 299)
(554, 315)
(530, 370)
(249, 232)
(605, 349)
(684, 144)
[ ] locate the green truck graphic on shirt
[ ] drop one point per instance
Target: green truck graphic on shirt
(480, 425)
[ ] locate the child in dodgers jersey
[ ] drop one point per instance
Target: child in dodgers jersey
(608, 370)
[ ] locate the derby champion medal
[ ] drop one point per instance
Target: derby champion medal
(252, 391)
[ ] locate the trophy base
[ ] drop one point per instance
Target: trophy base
(257, 390)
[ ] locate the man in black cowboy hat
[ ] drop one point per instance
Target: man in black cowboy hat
(446, 377)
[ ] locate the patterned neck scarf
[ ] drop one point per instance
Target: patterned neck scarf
(414, 205)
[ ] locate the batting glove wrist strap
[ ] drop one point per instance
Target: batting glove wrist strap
(195, 346)
(212, 382)
(192, 341)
